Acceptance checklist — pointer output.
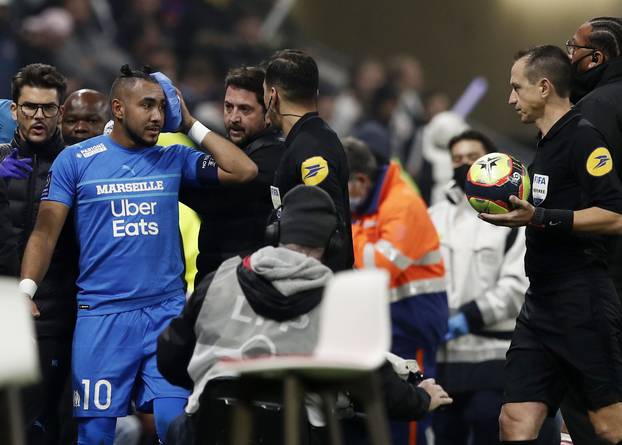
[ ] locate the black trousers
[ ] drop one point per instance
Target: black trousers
(48, 404)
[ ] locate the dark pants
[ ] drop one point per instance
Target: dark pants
(578, 422)
(47, 405)
(473, 419)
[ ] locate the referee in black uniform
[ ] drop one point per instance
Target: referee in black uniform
(313, 153)
(568, 331)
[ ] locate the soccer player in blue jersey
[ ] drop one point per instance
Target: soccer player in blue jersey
(122, 189)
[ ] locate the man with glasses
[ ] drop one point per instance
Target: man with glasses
(37, 91)
(595, 53)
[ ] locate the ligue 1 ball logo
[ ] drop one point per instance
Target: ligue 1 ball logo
(492, 179)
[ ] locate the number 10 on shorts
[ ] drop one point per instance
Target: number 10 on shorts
(100, 385)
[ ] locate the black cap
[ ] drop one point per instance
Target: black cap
(308, 217)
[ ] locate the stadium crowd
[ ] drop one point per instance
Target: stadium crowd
(294, 177)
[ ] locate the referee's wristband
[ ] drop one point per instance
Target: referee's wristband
(197, 132)
(28, 286)
(553, 219)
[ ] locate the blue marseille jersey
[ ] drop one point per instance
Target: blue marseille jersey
(126, 216)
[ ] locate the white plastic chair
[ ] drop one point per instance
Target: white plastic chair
(20, 360)
(354, 334)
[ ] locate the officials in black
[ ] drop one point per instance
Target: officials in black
(314, 155)
(595, 51)
(233, 218)
(567, 333)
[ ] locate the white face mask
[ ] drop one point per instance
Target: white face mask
(355, 203)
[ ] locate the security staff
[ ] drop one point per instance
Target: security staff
(37, 92)
(234, 217)
(567, 333)
(314, 155)
(595, 51)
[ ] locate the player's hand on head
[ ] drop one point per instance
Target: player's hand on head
(520, 216)
(187, 120)
(438, 396)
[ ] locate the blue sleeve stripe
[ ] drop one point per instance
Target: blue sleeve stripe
(129, 178)
(110, 197)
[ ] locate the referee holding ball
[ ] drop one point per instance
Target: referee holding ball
(568, 331)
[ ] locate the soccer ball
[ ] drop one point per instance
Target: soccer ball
(492, 179)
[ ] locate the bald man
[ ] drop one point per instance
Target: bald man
(86, 114)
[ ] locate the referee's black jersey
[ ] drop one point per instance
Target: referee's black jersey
(573, 170)
(314, 156)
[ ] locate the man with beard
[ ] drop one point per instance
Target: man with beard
(313, 153)
(85, 115)
(123, 189)
(233, 219)
(595, 51)
(37, 92)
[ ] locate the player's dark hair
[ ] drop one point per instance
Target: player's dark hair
(551, 62)
(473, 135)
(129, 77)
(248, 78)
(295, 73)
(360, 157)
(38, 75)
(606, 35)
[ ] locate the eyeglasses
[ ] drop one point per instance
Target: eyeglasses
(571, 47)
(30, 109)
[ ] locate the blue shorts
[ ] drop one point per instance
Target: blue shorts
(114, 360)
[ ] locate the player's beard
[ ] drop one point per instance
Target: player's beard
(136, 138)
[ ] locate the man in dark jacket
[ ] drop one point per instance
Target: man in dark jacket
(234, 217)
(595, 51)
(37, 92)
(268, 303)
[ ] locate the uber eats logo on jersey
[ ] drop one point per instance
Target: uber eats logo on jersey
(314, 170)
(599, 162)
(131, 220)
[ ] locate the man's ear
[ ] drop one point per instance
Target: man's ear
(597, 58)
(14, 111)
(117, 109)
(545, 86)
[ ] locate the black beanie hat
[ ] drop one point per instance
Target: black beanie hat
(308, 217)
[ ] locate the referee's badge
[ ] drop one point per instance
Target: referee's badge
(539, 188)
(314, 170)
(599, 162)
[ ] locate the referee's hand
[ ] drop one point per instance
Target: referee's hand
(520, 216)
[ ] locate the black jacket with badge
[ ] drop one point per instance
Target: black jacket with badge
(234, 216)
(599, 99)
(314, 156)
(572, 170)
(56, 295)
(602, 106)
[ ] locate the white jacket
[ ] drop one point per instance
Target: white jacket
(479, 271)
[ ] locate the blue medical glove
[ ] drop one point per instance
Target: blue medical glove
(457, 326)
(172, 112)
(14, 168)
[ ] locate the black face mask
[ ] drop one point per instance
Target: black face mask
(460, 175)
(583, 83)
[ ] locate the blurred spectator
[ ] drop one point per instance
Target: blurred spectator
(366, 78)
(379, 113)
(429, 162)
(8, 49)
(406, 75)
(435, 102)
